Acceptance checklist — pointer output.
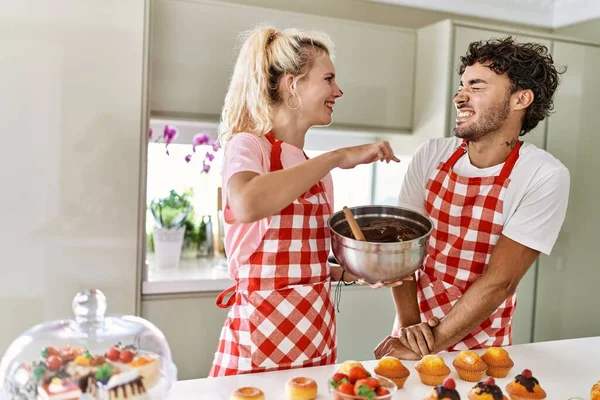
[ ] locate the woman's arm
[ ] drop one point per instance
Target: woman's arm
(252, 196)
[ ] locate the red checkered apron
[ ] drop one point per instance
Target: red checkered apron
(467, 223)
(281, 313)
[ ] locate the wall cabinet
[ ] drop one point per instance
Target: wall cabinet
(193, 50)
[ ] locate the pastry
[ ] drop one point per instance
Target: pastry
(58, 389)
(525, 387)
(498, 361)
(486, 390)
(432, 370)
(124, 386)
(469, 365)
(445, 391)
(149, 368)
(393, 369)
(247, 393)
(595, 391)
(346, 365)
(301, 388)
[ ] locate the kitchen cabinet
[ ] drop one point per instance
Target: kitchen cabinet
(438, 54)
(192, 324)
(567, 282)
(194, 45)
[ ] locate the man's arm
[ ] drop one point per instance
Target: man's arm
(405, 300)
(509, 261)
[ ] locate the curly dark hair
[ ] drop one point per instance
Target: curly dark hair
(528, 66)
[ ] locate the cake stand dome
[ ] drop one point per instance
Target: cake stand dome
(93, 357)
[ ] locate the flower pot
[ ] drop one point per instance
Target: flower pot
(167, 246)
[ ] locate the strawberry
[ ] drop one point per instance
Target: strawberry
(490, 382)
(346, 388)
(113, 353)
(364, 391)
(449, 384)
(337, 379)
(381, 391)
(126, 356)
(356, 373)
(54, 363)
(371, 383)
(526, 374)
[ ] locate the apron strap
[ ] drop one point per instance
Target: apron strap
(276, 162)
(460, 151)
(275, 152)
(222, 295)
(510, 162)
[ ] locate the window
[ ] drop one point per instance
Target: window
(377, 183)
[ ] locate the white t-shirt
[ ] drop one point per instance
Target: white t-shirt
(535, 201)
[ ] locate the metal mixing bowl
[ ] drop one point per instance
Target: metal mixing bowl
(380, 262)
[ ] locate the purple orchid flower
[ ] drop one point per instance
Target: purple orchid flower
(205, 168)
(170, 134)
(216, 146)
(188, 158)
(150, 133)
(210, 157)
(199, 140)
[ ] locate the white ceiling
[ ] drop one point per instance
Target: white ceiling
(543, 13)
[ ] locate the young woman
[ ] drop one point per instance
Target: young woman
(277, 202)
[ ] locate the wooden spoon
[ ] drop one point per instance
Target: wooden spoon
(358, 235)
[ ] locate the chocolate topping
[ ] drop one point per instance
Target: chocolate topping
(529, 383)
(494, 390)
(382, 230)
(445, 393)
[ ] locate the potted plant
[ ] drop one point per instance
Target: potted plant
(173, 218)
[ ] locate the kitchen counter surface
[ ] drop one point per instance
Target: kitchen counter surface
(566, 369)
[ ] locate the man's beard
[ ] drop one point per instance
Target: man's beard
(489, 120)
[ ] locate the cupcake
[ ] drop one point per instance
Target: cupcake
(432, 370)
(595, 391)
(486, 390)
(498, 361)
(393, 369)
(525, 387)
(469, 365)
(446, 391)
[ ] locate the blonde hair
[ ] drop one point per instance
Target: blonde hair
(266, 55)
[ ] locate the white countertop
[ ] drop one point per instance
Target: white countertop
(566, 369)
(192, 275)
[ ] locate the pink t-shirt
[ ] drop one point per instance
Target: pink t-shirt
(246, 152)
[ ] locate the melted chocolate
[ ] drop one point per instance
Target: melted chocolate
(382, 230)
(529, 383)
(494, 390)
(445, 393)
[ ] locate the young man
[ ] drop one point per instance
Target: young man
(495, 201)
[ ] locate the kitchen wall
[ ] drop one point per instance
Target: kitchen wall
(72, 117)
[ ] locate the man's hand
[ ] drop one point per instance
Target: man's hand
(419, 338)
(408, 349)
(391, 346)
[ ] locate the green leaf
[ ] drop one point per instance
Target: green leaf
(366, 392)
(335, 384)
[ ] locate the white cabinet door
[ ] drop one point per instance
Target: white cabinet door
(567, 304)
(524, 314)
(194, 48)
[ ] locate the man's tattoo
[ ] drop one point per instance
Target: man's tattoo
(512, 143)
